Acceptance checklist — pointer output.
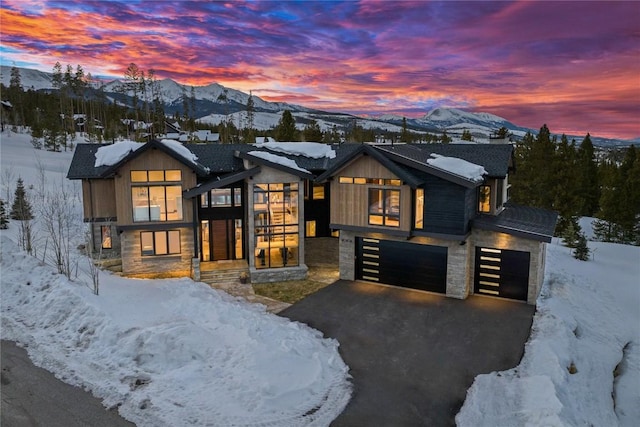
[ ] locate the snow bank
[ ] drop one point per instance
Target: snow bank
(279, 160)
(110, 155)
(587, 326)
(458, 167)
(172, 352)
(313, 150)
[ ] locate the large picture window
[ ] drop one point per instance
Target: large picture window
(384, 207)
(419, 213)
(156, 202)
(276, 224)
(221, 197)
(160, 242)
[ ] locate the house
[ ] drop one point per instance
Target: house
(430, 217)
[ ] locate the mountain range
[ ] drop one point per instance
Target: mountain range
(215, 103)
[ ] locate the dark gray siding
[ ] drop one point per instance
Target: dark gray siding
(446, 206)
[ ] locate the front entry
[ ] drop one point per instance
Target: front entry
(221, 239)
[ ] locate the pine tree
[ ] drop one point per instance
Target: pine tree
(466, 135)
(286, 128)
(445, 139)
(588, 185)
(571, 233)
(581, 250)
(21, 209)
(4, 220)
(565, 187)
(404, 136)
(312, 132)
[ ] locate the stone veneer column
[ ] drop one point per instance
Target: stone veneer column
(347, 254)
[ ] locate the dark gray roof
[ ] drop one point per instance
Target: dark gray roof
(354, 150)
(220, 159)
(495, 158)
(525, 221)
(82, 164)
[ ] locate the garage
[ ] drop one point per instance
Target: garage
(502, 273)
(403, 264)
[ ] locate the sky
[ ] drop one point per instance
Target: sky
(572, 65)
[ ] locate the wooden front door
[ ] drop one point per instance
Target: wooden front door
(222, 239)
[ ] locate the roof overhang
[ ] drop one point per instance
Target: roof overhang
(277, 166)
(425, 167)
(155, 145)
(521, 221)
(219, 182)
(367, 150)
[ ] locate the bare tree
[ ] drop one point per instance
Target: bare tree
(94, 269)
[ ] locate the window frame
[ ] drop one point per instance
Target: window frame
(155, 235)
(385, 212)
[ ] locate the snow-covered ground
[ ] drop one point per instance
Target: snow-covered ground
(165, 352)
(175, 352)
(581, 365)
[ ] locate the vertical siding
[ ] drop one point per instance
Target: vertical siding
(98, 198)
(350, 202)
(446, 207)
(150, 160)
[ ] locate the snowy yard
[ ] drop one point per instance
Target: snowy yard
(582, 362)
(176, 352)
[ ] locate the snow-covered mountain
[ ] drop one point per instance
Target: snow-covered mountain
(215, 103)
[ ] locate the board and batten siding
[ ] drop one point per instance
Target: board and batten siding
(447, 206)
(99, 199)
(177, 265)
(350, 202)
(150, 160)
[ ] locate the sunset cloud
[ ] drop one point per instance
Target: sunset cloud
(574, 66)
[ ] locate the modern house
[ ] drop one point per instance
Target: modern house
(430, 217)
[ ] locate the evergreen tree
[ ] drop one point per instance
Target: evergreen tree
(565, 190)
(445, 138)
(571, 233)
(4, 220)
(312, 132)
(466, 135)
(588, 185)
(629, 200)
(581, 250)
(21, 209)
(404, 136)
(286, 128)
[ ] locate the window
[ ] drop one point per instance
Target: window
(318, 191)
(384, 207)
(105, 232)
(156, 202)
(156, 175)
(160, 242)
(374, 181)
(221, 197)
(419, 213)
(484, 198)
(500, 194)
(276, 224)
(310, 229)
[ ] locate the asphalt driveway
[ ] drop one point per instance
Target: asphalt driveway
(413, 355)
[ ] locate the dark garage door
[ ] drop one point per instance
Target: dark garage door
(502, 273)
(403, 264)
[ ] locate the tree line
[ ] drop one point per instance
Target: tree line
(567, 177)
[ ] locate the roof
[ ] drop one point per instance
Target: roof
(524, 221)
(407, 161)
(497, 159)
(363, 149)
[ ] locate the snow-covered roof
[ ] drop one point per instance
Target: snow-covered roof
(110, 155)
(458, 167)
(180, 149)
(279, 160)
(313, 150)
